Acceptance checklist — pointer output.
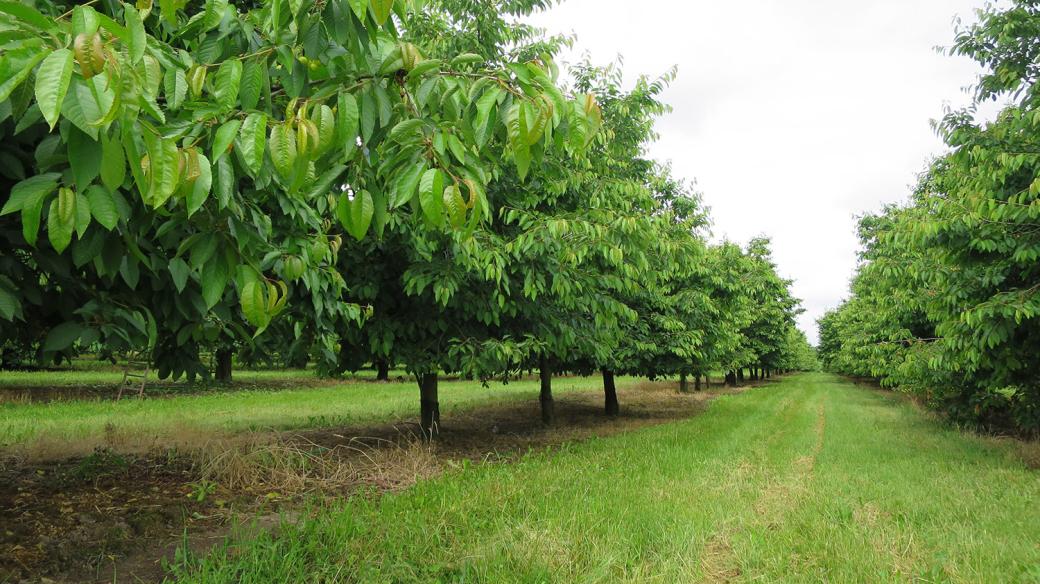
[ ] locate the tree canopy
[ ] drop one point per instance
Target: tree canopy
(946, 300)
(350, 182)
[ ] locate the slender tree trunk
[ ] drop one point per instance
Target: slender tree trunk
(223, 372)
(684, 385)
(731, 379)
(546, 397)
(697, 382)
(740, 375)
(768, 373)
(430, 410)
(611, 406)
(382, 370)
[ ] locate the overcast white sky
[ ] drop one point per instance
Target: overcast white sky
(792, 116)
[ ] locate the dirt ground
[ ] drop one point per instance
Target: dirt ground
(115, 518)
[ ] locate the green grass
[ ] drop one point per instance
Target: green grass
(99, 374)
(808, 480)
(76, 426)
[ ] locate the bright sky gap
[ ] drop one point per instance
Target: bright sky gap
(792, 117)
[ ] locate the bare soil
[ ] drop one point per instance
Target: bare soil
(115, 518)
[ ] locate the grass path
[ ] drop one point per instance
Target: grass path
(811, 479)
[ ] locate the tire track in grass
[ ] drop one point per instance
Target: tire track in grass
(719, 560)
(783, 492)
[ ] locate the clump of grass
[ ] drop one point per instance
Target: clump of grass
(271, 463)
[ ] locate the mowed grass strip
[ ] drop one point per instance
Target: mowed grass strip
(71, 427)
(811, 479)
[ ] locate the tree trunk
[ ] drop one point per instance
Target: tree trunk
(430, 410)
(684, 385)
(768, 373)
(546, 397)
(731, 379)
(382, 370)
(740, 375)
(697, 382)
(223, 372)
(611, 406)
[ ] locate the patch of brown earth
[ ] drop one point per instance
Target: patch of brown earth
(114, 518)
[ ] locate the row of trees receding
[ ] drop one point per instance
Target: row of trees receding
(946, 299)
(354, 182)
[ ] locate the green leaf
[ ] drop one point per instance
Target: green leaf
(52, 83)
(484, 106)
(379, 215)
(224, 136)
(252, 84)
(201, 187)
(175, 86)
(62, 336)
(282, 143)
(214, 279)
(27, 15)
(84, 20)
(325, 121)
(406, 129)
(369, 113)
(10, 306)
(423, 67)
(85, 157)
(82, 214)
(323, 184)
(164, 159)
(103, 207)
(455, 206)
(466, 59)
(381, 10)
(28, 191)
(361, 210)
(431, 196)
(224, 184)
(138, 38)
(31, 211)
(252, 140)
(179, 271)
(360, 7)
(15, 67)
(254, 305)
(61, 220)
(522, 157)
(406, 184)
(113, 163)
(347, 127)
(227, 83)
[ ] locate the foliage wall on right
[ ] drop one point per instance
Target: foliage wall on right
(945, 300)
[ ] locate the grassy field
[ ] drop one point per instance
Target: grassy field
(75, 426)
(811, 479)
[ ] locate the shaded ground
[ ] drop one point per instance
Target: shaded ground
(110, 517)
(109, 390)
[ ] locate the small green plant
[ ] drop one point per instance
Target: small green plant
(201, 489)
(102, 462)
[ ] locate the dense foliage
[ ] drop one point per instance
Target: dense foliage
(350, 182)
(947, 298)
